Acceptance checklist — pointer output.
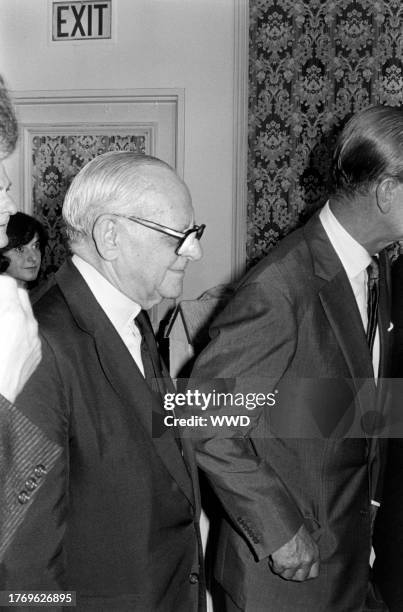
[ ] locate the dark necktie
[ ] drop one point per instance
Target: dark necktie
(153, 367)
(372, 301)
(150, 355)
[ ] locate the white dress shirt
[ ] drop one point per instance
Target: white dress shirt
(355, 260)
(120, 310)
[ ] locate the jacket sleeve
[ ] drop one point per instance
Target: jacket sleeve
(33, 481)
(253, 342)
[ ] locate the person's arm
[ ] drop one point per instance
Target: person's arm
(20, 344)
(254, 339)
(33, 481)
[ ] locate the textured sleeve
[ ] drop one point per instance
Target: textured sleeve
(32, 480)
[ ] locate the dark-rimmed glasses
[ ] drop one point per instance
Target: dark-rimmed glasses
(184, 238)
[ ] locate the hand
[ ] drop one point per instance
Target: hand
(20, 351)
(298, 559)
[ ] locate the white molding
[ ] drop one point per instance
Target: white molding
(113, 96)
(98, 95)
(240, 150)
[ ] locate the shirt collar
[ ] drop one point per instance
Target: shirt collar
(120, 309)
(354, 258)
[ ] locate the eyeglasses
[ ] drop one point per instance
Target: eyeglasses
(184, 238)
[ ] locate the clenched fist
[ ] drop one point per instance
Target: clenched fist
(20, 351)
(298, 559)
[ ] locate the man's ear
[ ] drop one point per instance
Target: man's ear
(104, 234)
(385, 192)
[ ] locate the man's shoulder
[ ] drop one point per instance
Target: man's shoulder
(67, 311)
(290, 257)
(53, 312)
(50, 304)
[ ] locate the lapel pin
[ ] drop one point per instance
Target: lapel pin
(390, 326)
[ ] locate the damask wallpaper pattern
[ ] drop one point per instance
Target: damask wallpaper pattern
(312, 64)
(56, 159)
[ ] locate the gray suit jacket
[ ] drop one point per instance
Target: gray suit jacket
(294, 323)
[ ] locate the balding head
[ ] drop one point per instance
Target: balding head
(128, 216)
(116, 182)
(369, 148)
(368, 177)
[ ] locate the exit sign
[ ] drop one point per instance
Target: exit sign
(81, 20)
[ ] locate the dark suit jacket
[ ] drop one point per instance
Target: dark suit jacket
(115, 518)
(388, 536)
(294, 322)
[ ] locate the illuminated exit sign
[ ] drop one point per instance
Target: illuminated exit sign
(81, 20)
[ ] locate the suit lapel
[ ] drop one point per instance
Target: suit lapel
(343, 315)
(187, 444)
(341, 309)
(129, 384)
(342, 312)
(140, 403)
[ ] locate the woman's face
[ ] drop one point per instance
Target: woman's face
(25, 261)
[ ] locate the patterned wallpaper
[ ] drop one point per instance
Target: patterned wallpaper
(56, 159)
(312, 64)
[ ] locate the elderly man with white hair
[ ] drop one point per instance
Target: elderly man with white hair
(116, 520)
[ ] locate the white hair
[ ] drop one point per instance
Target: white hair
(113, 182)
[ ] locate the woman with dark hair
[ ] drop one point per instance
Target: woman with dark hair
(22, 256)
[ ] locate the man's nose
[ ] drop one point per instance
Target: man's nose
(193, 251)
